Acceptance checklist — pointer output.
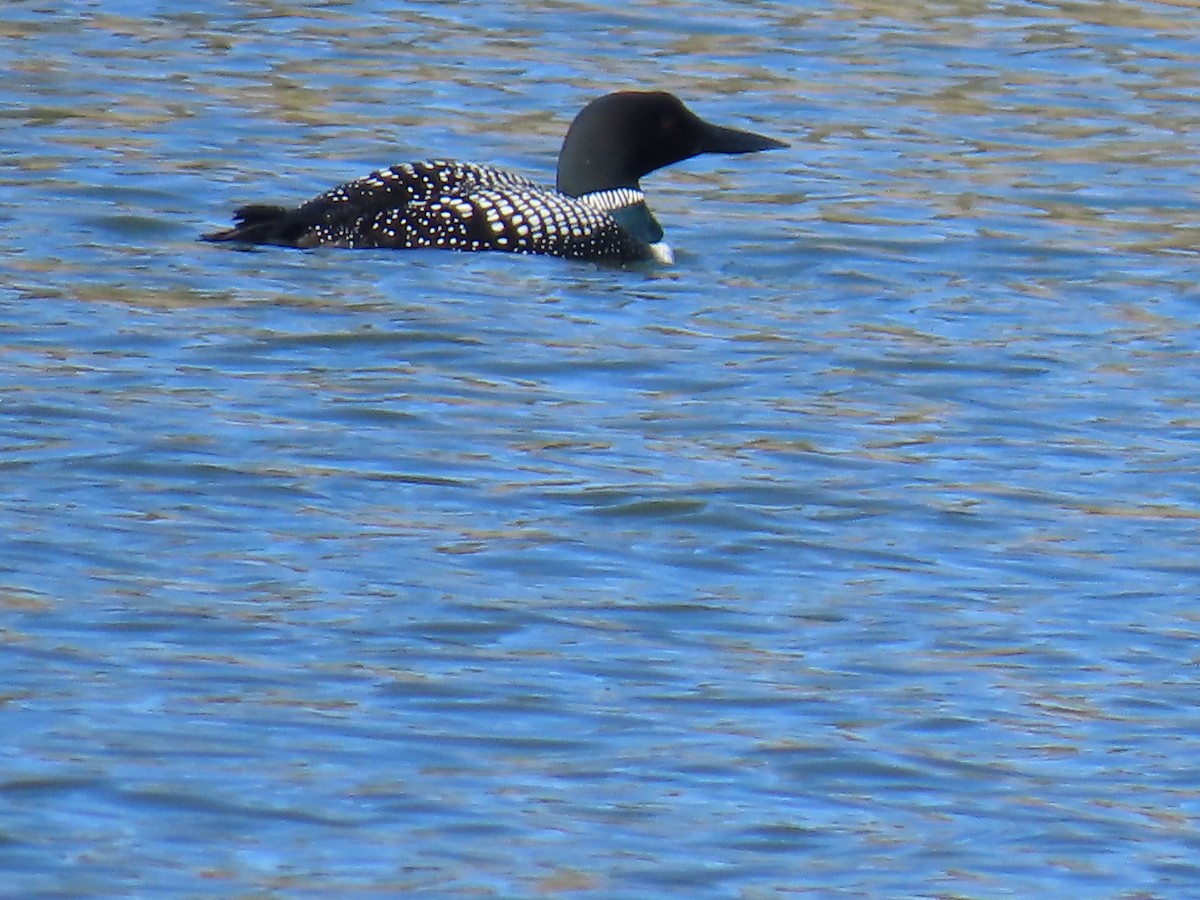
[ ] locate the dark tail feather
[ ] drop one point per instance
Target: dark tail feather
(263, 225)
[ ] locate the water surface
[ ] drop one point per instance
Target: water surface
(853, 555)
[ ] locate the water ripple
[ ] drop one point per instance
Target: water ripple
(852, 554)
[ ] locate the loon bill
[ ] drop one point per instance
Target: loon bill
(596, 211)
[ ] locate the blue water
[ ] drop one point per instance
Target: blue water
(854, 555)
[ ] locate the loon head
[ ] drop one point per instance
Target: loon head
(620, 137)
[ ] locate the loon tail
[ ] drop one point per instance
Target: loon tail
(260, 224)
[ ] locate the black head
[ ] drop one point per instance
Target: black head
(620, 137)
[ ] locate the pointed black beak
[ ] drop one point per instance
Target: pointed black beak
(717, 139)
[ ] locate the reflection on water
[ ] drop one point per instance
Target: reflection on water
(853, 553)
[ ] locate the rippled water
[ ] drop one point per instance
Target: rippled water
(853, 554)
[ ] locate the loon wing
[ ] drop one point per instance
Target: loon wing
(351, 214)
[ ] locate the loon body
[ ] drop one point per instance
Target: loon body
(596, 211)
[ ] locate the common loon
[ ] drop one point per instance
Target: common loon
(597, 210)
